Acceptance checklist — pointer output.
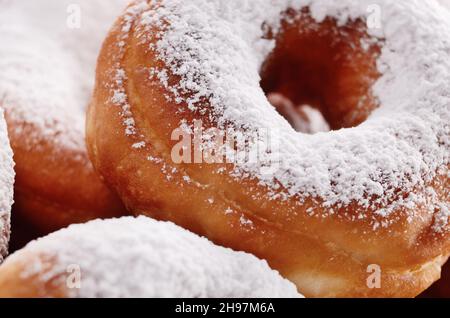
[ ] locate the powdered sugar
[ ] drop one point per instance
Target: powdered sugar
(445, 3)
(6, 186)
(441, 217)
(216, 48)
(47, 64)
(144, 258)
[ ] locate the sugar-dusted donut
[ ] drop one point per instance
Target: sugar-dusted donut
(140, 257)
(6, 187)
(442, 288)
(361, 210)
(47, 64)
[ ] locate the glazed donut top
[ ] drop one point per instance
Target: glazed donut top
(47, 64)
(6, 186)
(142, 257)
(216, 48)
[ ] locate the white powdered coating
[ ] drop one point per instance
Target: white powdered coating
(6, 186)
(217, 48)
(142, 257)
(47, 63)
(445, 3)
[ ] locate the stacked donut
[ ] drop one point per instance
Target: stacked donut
(136, 258)
(47, 62)
(291, 130)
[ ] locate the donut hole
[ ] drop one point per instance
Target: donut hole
(324, 66)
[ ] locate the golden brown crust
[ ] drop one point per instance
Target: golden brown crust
(324, 256)
(55, 186)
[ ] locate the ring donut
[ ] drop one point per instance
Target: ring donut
(45, 86)
(6, 187)
(155, 260)
(326, 210)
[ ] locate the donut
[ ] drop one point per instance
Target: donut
(6, 187)
(180, 126)
(140, 257)
(46, 79)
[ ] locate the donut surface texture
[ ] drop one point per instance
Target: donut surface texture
(442, 288)
(136, 258)
(6, 187)
(326, 210)
(47, 64)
